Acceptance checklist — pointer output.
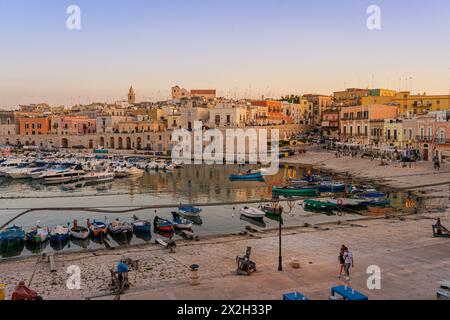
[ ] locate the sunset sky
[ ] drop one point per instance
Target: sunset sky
(243, 47)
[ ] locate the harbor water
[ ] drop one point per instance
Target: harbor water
(189, 184)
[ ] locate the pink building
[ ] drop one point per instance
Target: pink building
(69, 125)
(433, 137)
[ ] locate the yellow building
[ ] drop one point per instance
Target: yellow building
(393, 133)
(416, 104)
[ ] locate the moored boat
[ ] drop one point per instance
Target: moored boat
(378, 202)
(118, 226)
(331, 186)
(59, 234)
(252, 212)
(140, 225)
(318, 205)
(292, 191)
(97, 228)
(12, 235)
(189, 211)
(37, 234)
(163, 224)
(180, 223)
(79, 232)
(250, 175)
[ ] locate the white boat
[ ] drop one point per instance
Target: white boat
(78, 232)
(36, 173)
(252, 212)
(8, 165)
(63, 177)
(99, 176)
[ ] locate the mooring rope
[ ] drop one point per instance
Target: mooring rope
(141, 208)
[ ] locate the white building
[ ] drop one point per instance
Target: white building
(227, 115)
(190, 115)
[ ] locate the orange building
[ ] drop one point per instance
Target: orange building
(34, 125)
(274, 110)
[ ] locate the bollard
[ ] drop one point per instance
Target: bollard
(295, 264)
(195, 278)
(2, 292)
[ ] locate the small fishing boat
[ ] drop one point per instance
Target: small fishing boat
(97, 228)
(372, 194)
(141, 226)
(331, 186)
(180, 223)
(249, 176)
(292, 191)
(252, 212)
(189, 211)
(37, 234)
(59, 234)
(118, 226)
(78, 232)
(319, 205)
(163, 224)
(12, 235)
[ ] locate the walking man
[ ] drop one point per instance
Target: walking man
(348, 262)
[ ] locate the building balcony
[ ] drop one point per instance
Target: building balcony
(424, 139)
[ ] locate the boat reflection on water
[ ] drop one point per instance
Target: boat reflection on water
(259, 222)
(81, 243)
(59, 245)
(146, 236)
(34, 247)
(123, 238)
(12, 249)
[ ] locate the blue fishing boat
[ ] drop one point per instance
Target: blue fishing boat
(248, 176)
(181, 223)
(12, 235)
(189, 211)
(141, 226)
(372, 194)
(378, 202)
(59, 234)
(330, 186)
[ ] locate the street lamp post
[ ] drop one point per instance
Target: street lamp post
(280, 258)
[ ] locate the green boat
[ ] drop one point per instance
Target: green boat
(292, 191)
(318, 205)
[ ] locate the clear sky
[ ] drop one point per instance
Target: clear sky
(242, 47)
